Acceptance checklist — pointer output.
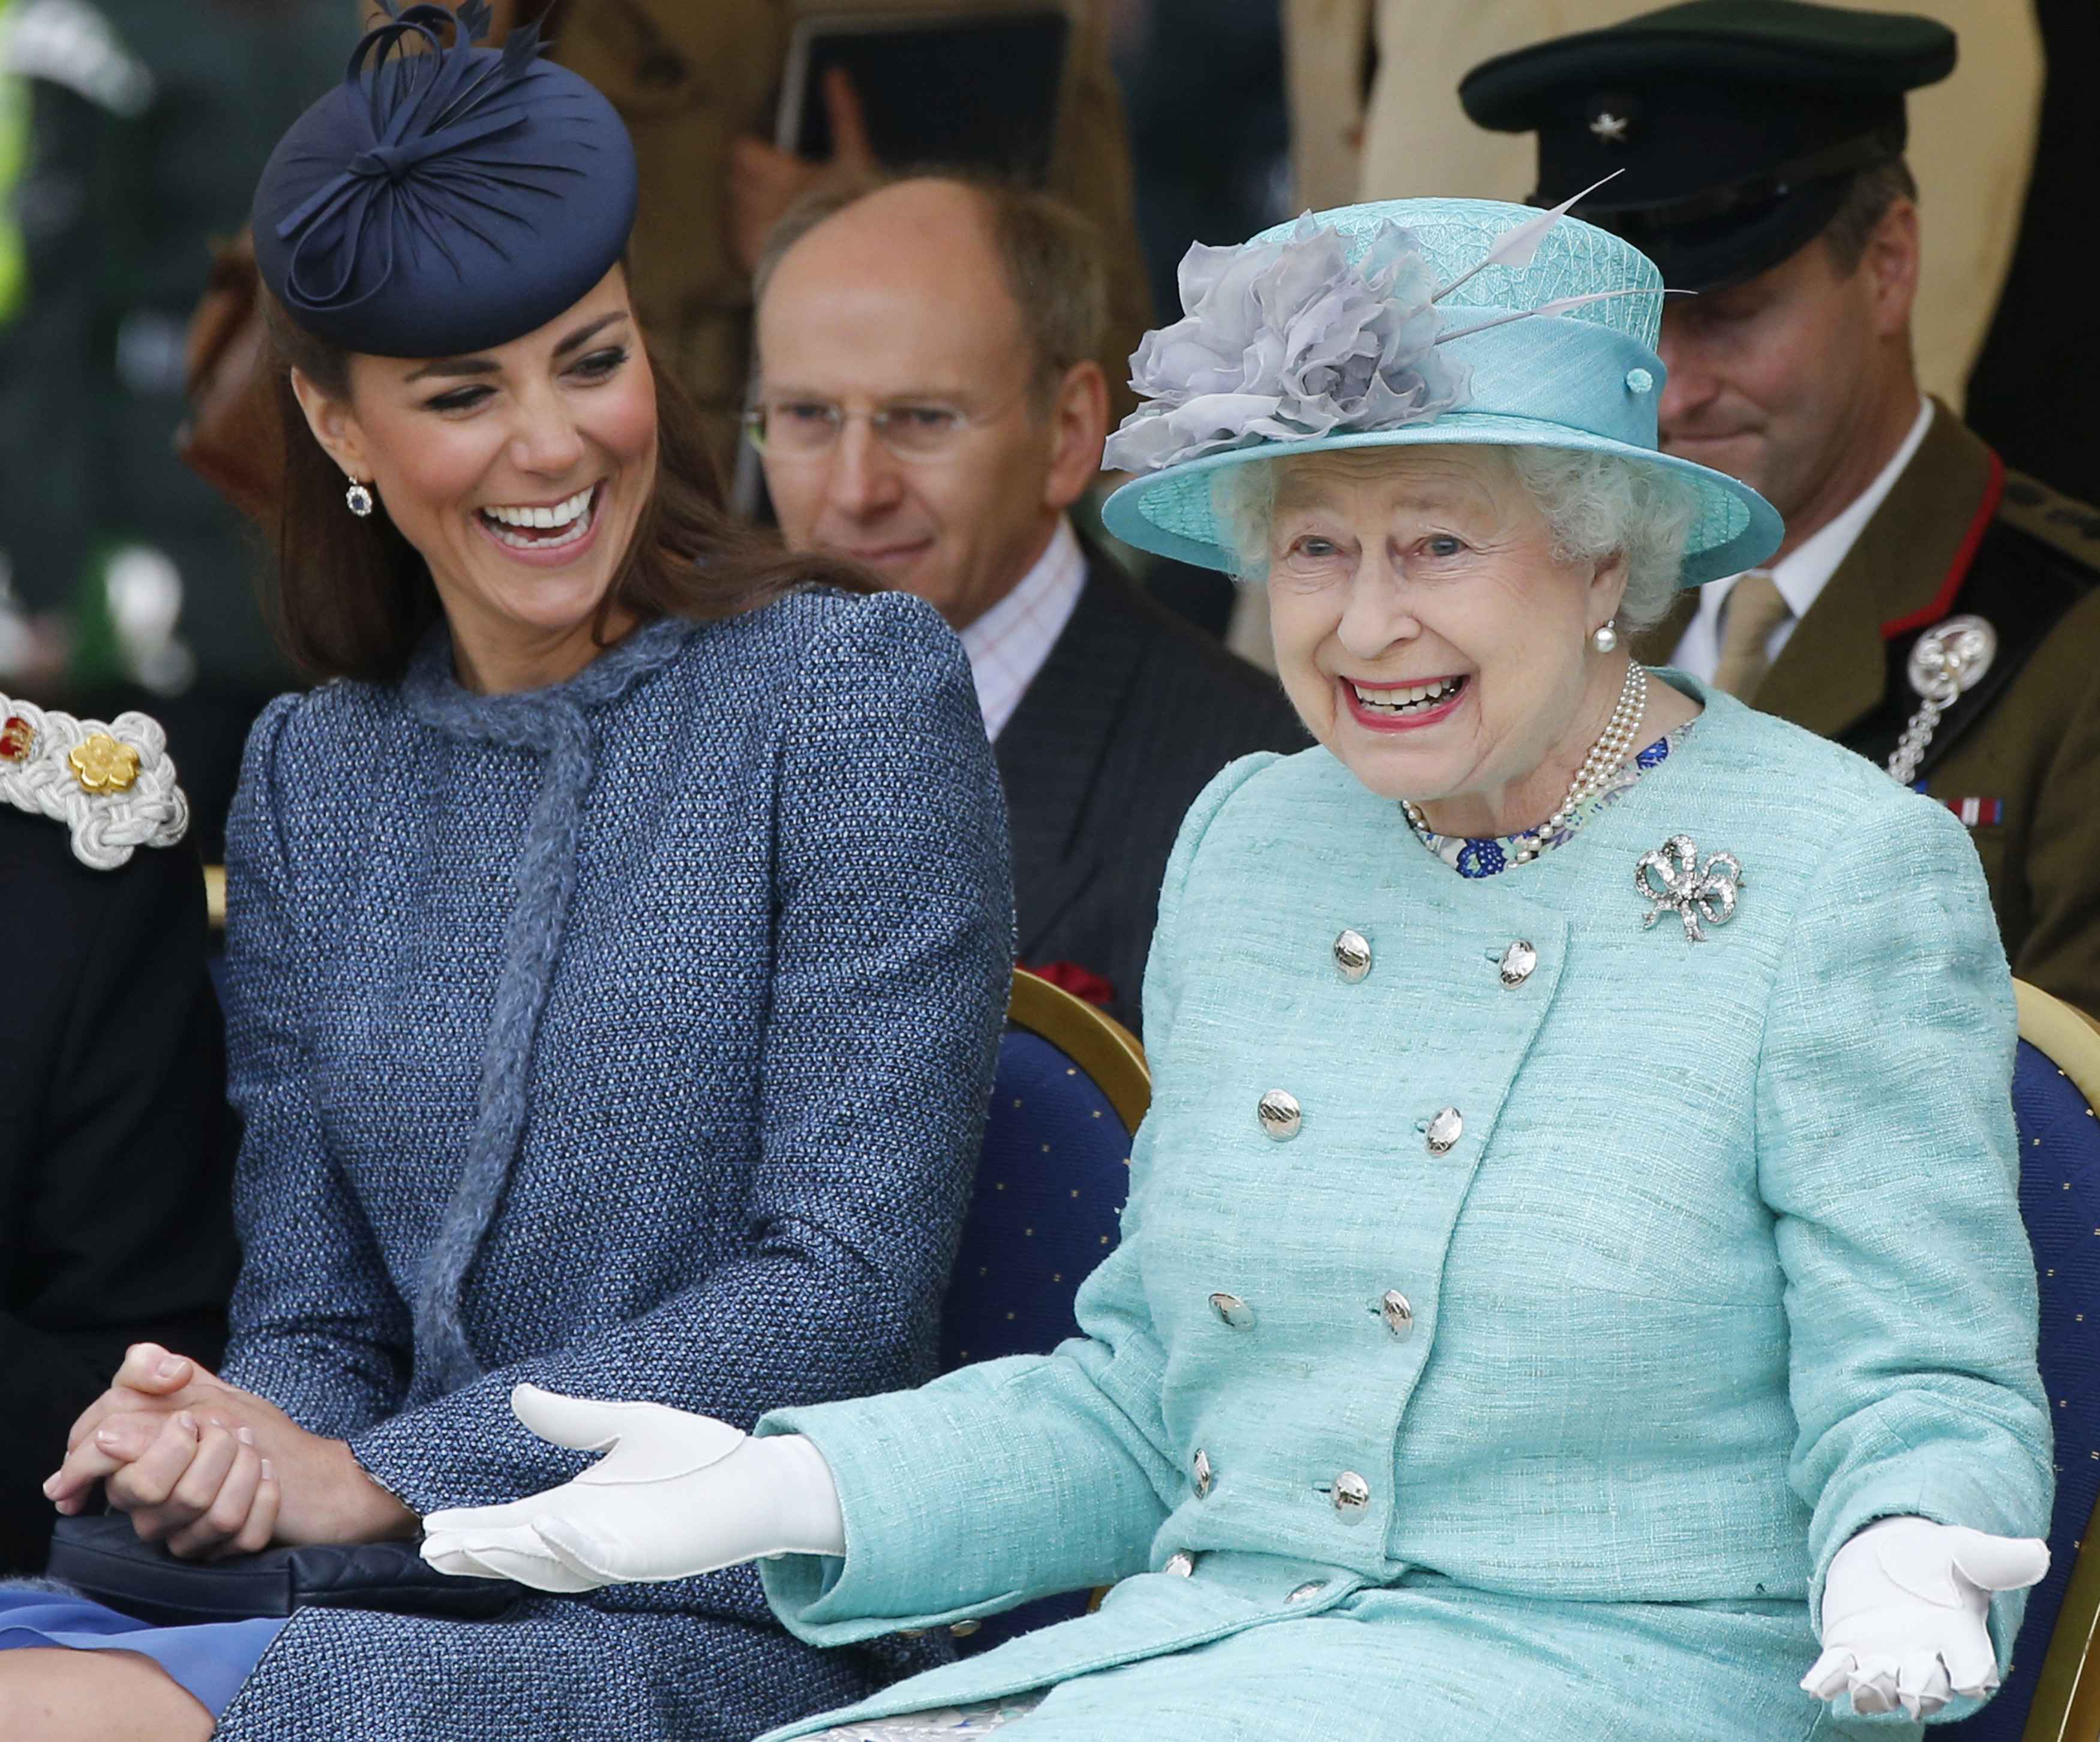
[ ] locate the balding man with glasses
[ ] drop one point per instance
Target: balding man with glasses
(928, 403)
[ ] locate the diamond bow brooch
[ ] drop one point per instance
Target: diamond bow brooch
(1673, 881)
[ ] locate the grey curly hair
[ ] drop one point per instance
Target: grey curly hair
(1598, 505)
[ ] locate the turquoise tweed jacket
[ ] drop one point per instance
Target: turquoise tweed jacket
(1725, 1263)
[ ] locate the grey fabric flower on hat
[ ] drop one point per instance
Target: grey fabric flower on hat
(1285, 341)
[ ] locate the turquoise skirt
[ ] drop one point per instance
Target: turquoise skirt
(210, 1661)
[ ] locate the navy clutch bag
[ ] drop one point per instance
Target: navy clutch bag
(103, 1559)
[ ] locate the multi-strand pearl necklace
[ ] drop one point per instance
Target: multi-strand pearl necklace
(1605, 756)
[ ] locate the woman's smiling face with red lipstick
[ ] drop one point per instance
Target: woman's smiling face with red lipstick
(1425, 630)
(519, 473)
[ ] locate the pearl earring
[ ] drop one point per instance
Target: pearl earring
(1606, 637)
(359, 498)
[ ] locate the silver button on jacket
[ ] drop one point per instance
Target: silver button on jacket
(1307, 1592)
(1181, 1563)
(1202, 1465)
(1445, 1129)
(1517, 962)
(1352, 1496)
(1397, 1312)
(1233, 1311)
(1352, 956)
(1279, 1115)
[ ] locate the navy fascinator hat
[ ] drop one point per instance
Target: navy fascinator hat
(444, 198)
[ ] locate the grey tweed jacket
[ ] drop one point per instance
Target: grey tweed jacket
(633, 1038)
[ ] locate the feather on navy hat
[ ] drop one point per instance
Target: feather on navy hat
(445, 198)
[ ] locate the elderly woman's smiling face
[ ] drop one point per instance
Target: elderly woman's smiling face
(1429, 635)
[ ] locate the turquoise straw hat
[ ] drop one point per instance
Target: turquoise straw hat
(1407, 323)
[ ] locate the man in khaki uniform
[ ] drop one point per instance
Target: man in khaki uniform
(698, 82)
(1929, 609)
(1374, 115)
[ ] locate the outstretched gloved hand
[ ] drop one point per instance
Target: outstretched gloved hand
(1905, 1608)
(676, 1495)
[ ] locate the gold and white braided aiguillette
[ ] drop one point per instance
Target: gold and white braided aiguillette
(113, 786)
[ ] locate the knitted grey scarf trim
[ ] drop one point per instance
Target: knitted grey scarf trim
(554, 724)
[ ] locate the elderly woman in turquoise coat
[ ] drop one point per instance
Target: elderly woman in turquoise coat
(1572, 1284)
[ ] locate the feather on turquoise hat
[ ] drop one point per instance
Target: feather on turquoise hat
(1407, 323)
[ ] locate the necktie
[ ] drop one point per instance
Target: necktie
(1752, 610)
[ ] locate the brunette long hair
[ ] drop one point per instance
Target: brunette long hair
(351, 597)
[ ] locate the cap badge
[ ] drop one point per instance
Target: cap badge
(1610, 129)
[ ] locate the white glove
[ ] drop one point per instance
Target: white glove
(1905, 1610)
(676, 1495)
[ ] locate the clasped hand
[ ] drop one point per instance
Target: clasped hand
(210, 1469)
(1906, 1610)
(676, 1495)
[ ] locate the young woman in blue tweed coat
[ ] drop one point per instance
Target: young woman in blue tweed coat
(616, 962)
(1572, 1285)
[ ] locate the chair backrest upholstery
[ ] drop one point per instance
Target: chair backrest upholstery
(2056, 1085)
(1051, 1178)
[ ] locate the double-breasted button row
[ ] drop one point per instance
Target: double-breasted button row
(1352, 952)
(1281, 1118)
(1393, 1306)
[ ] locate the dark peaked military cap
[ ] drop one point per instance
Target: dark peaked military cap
(1740, 124)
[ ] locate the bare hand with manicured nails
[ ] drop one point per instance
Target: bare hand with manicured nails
(676, 1495)
(212, 1470)
(203, 1489)
(1906, 1609)
(152, 1381)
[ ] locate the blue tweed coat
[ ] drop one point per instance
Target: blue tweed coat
(1725, 1264)
(633, 1038)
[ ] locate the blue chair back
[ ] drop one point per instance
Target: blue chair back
(1051, 1180)
(2060, 1201)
